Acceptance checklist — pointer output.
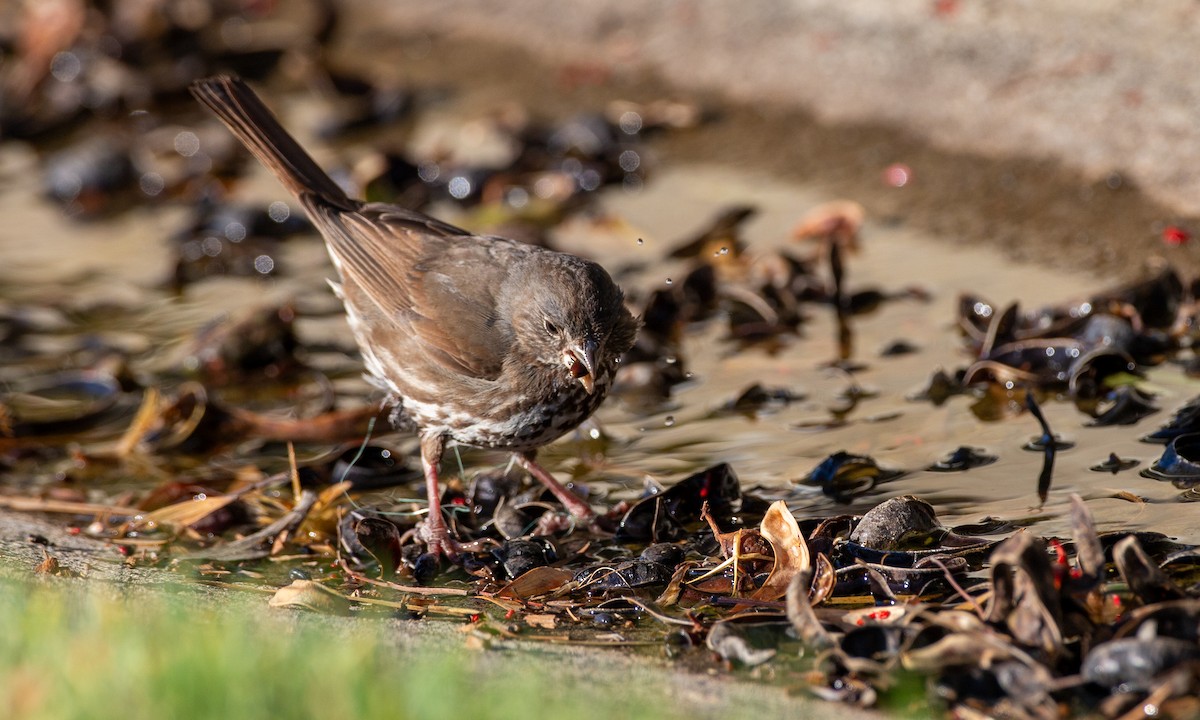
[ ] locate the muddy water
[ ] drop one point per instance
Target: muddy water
(122, 262)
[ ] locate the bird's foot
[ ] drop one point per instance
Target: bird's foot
(438, 542)
(574, 504)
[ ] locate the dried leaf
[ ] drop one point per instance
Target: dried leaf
(727, 541)
(187, 512)
(48, 566)
(725, 640)
(779, 528)
(670, 596)
(1023, 594)
(824, 579)
(800, 613)
(971, 650)
(1143, 576)
(542, 620)
(66, 507)
(538, 581)
(142, 421)
(330, 494)
(310, 595)
(1088, 552)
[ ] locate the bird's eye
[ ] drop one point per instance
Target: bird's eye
(551, 328)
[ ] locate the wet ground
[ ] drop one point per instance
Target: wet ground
(108, 290)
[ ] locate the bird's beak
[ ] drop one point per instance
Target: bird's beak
(581, 359)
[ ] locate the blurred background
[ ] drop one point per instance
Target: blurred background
(1027, 124)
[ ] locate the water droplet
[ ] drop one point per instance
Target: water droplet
(589, 180)
(641, 241)
(65, 66)
(669, 281)
(279, 211)
(669, 420)
(235, 232)
(594, 434)
(459, 187)
(187, 144)
(670, 359)
(151, 183)
(723, 251)
(264, 264)
(630, 122)
(629, 161)
(517, 197)
(428, 172)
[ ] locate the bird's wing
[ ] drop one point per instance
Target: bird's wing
(433, 281)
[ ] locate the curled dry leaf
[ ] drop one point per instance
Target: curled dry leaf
(800, 613)
(824, 579)
(1144, 577)
(1023, 594)
(779, 528)
(541, 580)
(310, 595)
(187, 512)
(728, 541)
(1088, 551)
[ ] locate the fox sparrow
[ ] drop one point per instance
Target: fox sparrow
(481, 340)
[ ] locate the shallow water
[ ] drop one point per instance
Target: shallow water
(772, 451)
(107, 278)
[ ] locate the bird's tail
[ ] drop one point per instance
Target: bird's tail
(256, 126)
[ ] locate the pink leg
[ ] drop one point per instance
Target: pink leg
(434, 531)
(570, 500)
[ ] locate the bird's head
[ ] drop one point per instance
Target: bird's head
(573, 319)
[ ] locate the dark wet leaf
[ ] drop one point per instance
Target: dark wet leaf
(756, 399)
(1127, 405)
(962, 459)
(667, 554)
(1179, 462)
(628, 574)
(941, 387)
(518, 557)
(1048, 443)
(371, 467)
(249, 344)
(844, 475)
(1185, 420)
(897, 348)
(368, 540)
(1131, 664)
(1114, 464)
(667, 515)
(61, 403)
